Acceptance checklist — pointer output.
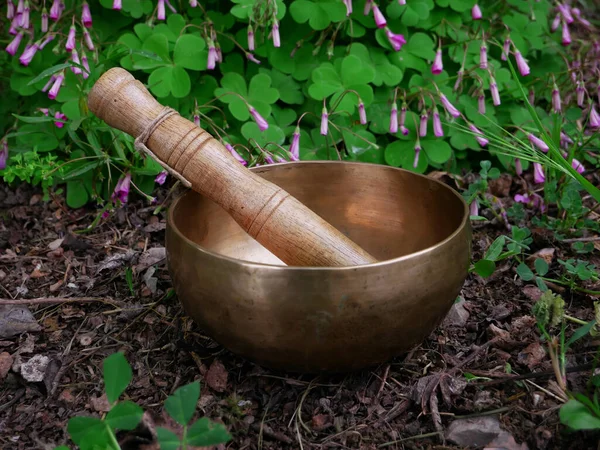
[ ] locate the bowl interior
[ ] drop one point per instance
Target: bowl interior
(389, 212)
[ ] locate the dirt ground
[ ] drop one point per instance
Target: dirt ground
(421, 400)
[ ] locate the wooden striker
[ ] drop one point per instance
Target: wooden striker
(282, 224)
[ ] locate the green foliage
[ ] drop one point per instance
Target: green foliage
(91, 433)
(326, 58)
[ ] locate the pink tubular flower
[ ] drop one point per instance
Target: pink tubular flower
(117, 4)
(577, 166)
(161, 177)
(70, 45)
(212, 57)
(276, 37)
(61, 117)
(594, 117)
(250, 38)
(348, 4)
(49, 38)
(522, 64)
(367, 8)
(538, 142)
(55, 10)
(260, 121)
(556, 102)
(403, 130)
(518, 167)
(474, 208)
(564, 11)
(75, 58)
(394, 119)
(10, 9)
(324, 121)
(476, 12)
(506, 49)
(44, 20)
(580, 94)
(20, 6)
(84, 62)
(483, 60)
(481, 103)
(531, 96)
(236, 155)
(25, 16)
(449, 106)
(378, 16)
(566, 35)
(577, 13)
(252, 58)
(28, 54)
(86, 15)
(417, 153)
(58, 81)
(87, 38)
(173, 10)
(3, 154)
(438, 66)
(396, 40)
(14, 44)
(479, 135)
(193, 3)
(555, 23)
(459, 78)
(121, 191)
(438, 131)
(494, 91)
(49, 83)
(197, 120)
(402, 2)
(423, 124)
(295, 145)
(565, 140)
(538, 173)
(403, 115)
(160, 12)
(533, 201)
(362, 114)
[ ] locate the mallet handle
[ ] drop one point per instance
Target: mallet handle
(283, 225)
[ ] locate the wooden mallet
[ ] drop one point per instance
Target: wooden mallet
(277, 220)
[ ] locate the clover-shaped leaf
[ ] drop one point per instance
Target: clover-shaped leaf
(318, 14)
(259, 94)
(190, 52)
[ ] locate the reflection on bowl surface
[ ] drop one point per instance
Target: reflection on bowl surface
(314, 319)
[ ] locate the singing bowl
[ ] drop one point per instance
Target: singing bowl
(325, 319)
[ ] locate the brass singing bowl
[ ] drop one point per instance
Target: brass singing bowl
(325, 319)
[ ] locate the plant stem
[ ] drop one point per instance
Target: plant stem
(113, 439)
(575, 320)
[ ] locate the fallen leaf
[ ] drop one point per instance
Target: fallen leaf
(532, 292)
(154, 227)
(114, 261)
(500, 187)
(505, 441)
(2, 275)
(56, 243)
(321, 421)
(457, 316)
(16, 319)
(100, 404)
(150, 257)
(547, 254)
(531, 355)
(150, 280)
(473, 432)
(6, 361)
(216, 377)
(34, 369)
(66, 396)
(56, 286)
(86, 339)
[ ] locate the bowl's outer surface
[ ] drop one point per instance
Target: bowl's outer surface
(320, 319)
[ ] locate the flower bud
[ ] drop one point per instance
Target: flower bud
(160, 12)
(483, 60)
(494, 91)
(396, 40)
(594, 117)
(378, 16)
(3, 154)
(580, 94)
(521, 64)
(161, 177)
(70, 45)
(86, 15)
(250, 38)
(556, 101)
(564, 11)
(252, 58)
(362, 114)
(75, 58)
(540, 144)
(404, 130)
(566, 35)
(25, 16)
(518, 167)
(449, 106)
(10, 10)
(423, 124)
(55, 10)
(538, 173)
(85, 64)
(481, 103)
(56, 85)
(474, 208)
(260, 121)
(121, 192)
(14, 44)
(28, 54)
(438, 65)
(237, 156)
(44, 20)
(117, 5)
(394, 119)
(295, 145)
(324, 121)
(505, 49)
(212, 56)
(417, 153)
(276, 37)
(438, 131)
(476, 12)
(348, 4)
(478, 135)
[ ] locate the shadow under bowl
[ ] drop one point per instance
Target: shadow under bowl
(325, 319)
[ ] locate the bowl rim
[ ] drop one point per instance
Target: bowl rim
(242, 262)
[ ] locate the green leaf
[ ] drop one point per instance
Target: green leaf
(204, 433)
(124, 416)
(577, 416)
(182, 404)
(190, 52)
(580, 332)
(159, 81)
(272, 135)
(35, 119)
(494, 251)
(485, 267)
(461, 5)
(79, 168)
(167, 439)
(158, 45)
(260, 90)
(117, 375)
(77, 195)
(180, 82)
(354, 71)
(541, 266)
(438, 151)
(49, 71)
(79, 426)
(289, 90)
(524, 272)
